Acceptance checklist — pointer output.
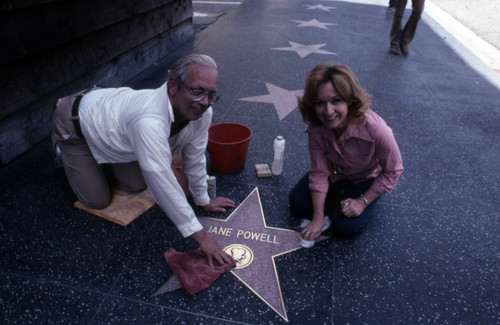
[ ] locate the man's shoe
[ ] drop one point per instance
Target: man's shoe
(394, 49)
(404, 49)
(57, 156)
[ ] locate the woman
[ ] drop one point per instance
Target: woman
(354, 155)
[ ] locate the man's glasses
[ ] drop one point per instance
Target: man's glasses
(198, 94)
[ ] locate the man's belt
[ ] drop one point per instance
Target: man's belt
(74, 116)
(74, 110)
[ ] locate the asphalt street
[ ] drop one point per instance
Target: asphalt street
(480, 18)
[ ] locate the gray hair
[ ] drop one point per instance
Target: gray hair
(180, 67)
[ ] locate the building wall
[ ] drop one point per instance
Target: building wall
(51, 48)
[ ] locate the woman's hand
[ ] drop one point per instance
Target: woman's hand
(352, 207)
(218, 204)
(312, 229)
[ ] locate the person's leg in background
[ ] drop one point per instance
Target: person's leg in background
(411, 25)
(392, 6)
(397, 30)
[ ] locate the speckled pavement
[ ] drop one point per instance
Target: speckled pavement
(429, 255)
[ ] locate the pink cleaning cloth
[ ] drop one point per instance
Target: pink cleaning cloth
(192, 269)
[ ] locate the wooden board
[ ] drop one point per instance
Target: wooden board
(124, 207)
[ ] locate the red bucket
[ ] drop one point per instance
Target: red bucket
(228, 146)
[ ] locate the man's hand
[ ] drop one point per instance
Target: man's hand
(218, 204)
(211, 248)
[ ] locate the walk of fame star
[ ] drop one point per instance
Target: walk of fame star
(304, 50)
(319, 7)
(284, 101)
(313, 23)
(245, 236)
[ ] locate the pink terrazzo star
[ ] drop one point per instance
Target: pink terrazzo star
(313, 23)
(319, 7)
(284, 101)
(304, 50)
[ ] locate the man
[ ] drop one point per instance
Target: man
(401, 37)
(134, 134)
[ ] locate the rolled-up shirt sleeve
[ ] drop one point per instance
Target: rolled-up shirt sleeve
(391, 162)
(151, 146)
(318, 169)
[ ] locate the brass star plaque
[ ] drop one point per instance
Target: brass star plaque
(245, 236)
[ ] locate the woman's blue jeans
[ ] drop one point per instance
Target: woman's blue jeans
(343, 227)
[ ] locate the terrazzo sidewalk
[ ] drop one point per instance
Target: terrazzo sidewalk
(429, 255)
